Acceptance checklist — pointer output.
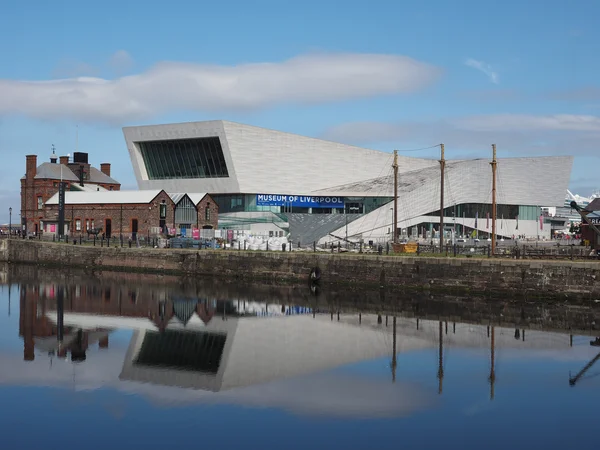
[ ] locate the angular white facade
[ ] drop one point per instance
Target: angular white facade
(265, 161)
(250, 160)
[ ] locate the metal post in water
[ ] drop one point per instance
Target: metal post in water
(493, 364)
(441, 360)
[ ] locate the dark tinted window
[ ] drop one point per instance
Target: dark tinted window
(184, 158)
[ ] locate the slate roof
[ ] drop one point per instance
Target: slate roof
(52, 171)
(97, 176)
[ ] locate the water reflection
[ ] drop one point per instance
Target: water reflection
(211, 345)
(335, 355)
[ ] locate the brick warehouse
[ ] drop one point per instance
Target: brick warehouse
(131, 214)
(94, 202)
(40, 183)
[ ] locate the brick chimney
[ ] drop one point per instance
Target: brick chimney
(31, 166)
(105, 169)
(64, 160)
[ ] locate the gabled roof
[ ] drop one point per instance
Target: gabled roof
(184, 309)
(195, 197)
(106, 197)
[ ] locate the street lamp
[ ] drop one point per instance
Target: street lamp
(9, 221)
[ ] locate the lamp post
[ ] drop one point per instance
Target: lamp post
(9, 221)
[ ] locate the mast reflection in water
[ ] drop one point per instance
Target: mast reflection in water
(158, 357)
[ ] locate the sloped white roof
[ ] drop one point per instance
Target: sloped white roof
(195, 197)
(106, 197)
(520, 181)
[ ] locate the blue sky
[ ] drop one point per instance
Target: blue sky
(382, 74)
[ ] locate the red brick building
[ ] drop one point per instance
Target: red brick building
(131, 214)
(41, 182)
(587, 233)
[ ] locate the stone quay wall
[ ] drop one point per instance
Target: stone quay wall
(514, 278)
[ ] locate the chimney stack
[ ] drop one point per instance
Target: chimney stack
(81, 175)
(105, 169)
(30, 166)
(64, 160)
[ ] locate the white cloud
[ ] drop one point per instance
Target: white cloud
(172, 86)
(324, 394)
(515, 134)
(521, 122)
(483, 67)
(121, 61)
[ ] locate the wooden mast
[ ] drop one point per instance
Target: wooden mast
(395, 221)
(493, 164)
(442, 167)
(394, 359)
(493, 364)
(440, 373)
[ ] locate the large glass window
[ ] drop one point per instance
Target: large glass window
(480, 210)
(184, 158)
(230, 202)
(185, 212)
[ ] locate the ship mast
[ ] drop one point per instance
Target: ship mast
(442, 167)
(395, 221)
(494, 166)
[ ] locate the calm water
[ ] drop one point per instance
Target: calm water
(130, 363)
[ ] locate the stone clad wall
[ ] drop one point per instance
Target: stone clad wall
(4, 250)
(537, 278)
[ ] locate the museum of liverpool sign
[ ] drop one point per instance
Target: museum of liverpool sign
(301, 201)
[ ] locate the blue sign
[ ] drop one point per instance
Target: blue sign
(301, 201)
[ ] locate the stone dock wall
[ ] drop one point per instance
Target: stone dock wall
(531, 278)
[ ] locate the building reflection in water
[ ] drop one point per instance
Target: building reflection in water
(211, 345)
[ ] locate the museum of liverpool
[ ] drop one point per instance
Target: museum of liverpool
(271, 183)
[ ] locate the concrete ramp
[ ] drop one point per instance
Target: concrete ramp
(309, 228)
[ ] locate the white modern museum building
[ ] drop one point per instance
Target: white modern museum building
(270, 182)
